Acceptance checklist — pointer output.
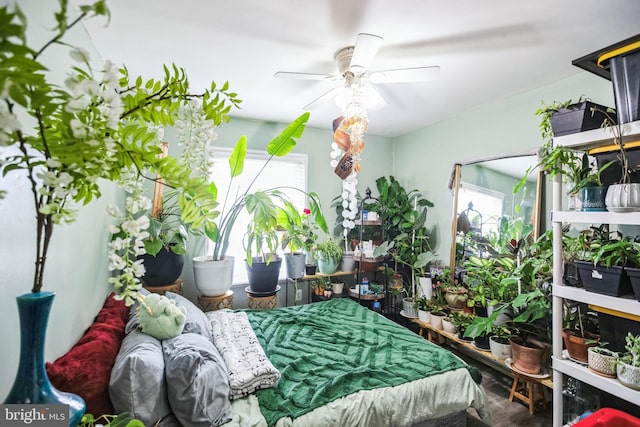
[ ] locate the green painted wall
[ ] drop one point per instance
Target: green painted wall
(494, 129)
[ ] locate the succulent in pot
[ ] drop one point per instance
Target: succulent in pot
(628, 367)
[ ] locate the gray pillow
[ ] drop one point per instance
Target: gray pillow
(137, 383)
(197, 381)
(197, 322)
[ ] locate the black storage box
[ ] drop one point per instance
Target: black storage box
(614, 328)
(578, 118)
(625, 76)
(619, 63)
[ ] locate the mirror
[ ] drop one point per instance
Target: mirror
(484, 204)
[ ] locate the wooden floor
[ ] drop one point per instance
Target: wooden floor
(497, 385)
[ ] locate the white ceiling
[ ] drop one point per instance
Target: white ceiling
(487, 50)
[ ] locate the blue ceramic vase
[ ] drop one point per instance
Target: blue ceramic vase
(32, 385)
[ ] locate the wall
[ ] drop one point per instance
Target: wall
(494, 129)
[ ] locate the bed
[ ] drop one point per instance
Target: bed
(332, 363)
(341, 364)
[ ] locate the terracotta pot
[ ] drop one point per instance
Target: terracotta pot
(527, 357)
(577, 346)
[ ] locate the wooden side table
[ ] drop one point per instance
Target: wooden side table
(175, 287)
(216, 303)
(262, 303)
(528, 390)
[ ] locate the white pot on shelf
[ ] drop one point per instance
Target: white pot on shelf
(426, 286)
(499, 350)
(213, 278)
(623, 198)
(628, 375)
(423, 316)
(602, 361)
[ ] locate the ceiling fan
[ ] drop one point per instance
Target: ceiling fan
(353, 70)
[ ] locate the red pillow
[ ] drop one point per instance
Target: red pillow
(86, 368)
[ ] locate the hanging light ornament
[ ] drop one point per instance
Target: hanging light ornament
(346, 150)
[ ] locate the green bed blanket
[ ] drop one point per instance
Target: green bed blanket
(331, 349)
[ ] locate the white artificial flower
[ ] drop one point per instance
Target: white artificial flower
(53, 163)
(76, 105)
(113, 210)
(113, 229)
(138, 268)
(77, 129)
(116, 262)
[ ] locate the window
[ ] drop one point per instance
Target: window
(290, 170)
(488, 203)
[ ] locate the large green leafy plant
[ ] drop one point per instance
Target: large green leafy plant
(66, 139)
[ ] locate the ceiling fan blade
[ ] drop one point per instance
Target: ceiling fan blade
(322, 98)
(367, 45)
(403, 75)
(303, 76)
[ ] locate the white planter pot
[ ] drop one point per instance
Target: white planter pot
(628, 375)
(436, 321)
(427, 287)
(348, 262)
(213, 278)
(623, 198)
(500, 351)
(337, 287)
(423, 316)
(449, 327)
(602, 361)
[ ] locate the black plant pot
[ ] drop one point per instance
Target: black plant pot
(577, 118)
(162, 269)
(263, 278)
(634, 279)
(604, 280)
(482, 342)
(310, 269)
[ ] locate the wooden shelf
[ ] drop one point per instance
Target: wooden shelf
(319, 275)
(365, 297)
(468, 348)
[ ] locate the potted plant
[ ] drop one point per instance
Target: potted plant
(298, 238)
(499, 343)
(329, 254)
(531, 331)
(576, 168)
(608, 255)
(423, 306)
(461, 320)
(602, 361)
(213, 273)
(579, 332)
(101, 125)
(628, 366)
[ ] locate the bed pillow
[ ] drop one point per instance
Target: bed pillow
(197, 381)
(85, 369)
(138, 383)
(197, 322)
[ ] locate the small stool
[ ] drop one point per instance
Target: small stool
(175, 287)
(216, 303)
(262, 303)
(527, 390)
